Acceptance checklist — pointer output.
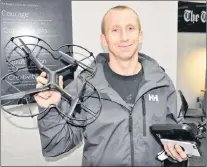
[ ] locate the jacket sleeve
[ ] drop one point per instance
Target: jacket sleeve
(56, 134)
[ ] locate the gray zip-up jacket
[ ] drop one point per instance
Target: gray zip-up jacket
(120, 136)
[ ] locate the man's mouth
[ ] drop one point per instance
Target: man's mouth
(124, 46)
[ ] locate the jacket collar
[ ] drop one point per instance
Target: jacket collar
(154, 77)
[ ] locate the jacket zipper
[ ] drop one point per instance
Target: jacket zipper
(131, 137)
(144, 116)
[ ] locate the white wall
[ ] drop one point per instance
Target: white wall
(191, 66)
(159, 21)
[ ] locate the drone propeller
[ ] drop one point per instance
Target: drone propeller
(75, 62)
(39, 65)
(26, 49)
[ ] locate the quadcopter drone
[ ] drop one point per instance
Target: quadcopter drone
(30, 52)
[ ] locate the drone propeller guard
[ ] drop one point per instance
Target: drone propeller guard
(30, 52)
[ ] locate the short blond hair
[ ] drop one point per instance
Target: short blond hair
(119, 7)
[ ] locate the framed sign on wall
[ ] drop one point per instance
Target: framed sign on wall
(50, 20)
(191, 17)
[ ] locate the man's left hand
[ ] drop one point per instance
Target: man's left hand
(175, 152)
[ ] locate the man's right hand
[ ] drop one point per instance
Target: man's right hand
(46, 98)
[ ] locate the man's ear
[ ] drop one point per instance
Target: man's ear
(103, 41)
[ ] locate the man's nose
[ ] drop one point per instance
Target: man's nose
(124, 35)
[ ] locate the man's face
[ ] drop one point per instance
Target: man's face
(122, 34)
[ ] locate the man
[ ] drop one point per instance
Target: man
(137, 94)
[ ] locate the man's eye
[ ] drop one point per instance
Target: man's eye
(114, 30)
(131, 28)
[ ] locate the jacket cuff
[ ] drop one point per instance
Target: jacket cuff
(47, 110)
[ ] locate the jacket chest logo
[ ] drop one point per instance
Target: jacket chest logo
(153, 97)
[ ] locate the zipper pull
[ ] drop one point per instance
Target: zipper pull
(130, 122)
